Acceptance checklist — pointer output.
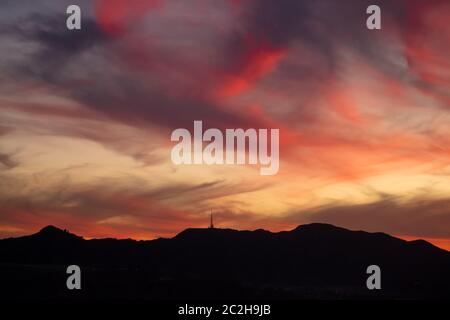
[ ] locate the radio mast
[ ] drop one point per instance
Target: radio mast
(211, 225)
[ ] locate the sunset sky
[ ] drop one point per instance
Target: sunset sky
(86, 115)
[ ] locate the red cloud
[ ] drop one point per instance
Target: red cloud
(426, 38)
(258, 60)
(115, 16)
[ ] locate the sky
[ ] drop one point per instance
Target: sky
(86, 115)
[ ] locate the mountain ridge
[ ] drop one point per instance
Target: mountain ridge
(308, 261)
(51, 230)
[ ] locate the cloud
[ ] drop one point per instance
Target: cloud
(53, 48)
(147, 82)
(418, 217)
(350, 103)
(258, 60)
(127, 206)
(79, 68)
(7, 161)
(334, 29)
(115, 16)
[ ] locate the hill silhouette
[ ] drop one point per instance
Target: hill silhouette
(312, 261)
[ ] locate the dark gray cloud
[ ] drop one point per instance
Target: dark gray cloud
(325, 27)
(417, 217)
(7, 161)
(132, 100)
(335, 31)
(55, 48)
(89, 67)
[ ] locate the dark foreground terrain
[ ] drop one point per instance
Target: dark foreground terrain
(315, 261)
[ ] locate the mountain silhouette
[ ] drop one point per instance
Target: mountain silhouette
(312, 261)
(53, 233)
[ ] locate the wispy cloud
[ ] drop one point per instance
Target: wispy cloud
(85, 116)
